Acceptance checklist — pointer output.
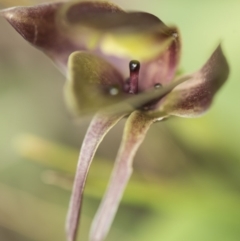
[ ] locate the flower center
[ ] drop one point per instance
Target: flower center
(131, 84)
(134, 67)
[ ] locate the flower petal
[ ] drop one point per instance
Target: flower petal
(135, 130)
(98, 128)
(193, 97)
(92, 83)
(38, 25)
(143, 99)
(58, 29)
(161, 70)
(134, 35)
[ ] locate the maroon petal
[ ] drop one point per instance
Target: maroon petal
(99, 127)
(193, 97)
(161, 70)
(38, 25)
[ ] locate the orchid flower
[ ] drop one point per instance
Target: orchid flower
(117, 64)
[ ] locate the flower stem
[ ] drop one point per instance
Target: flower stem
(98, 128)
(135, 130)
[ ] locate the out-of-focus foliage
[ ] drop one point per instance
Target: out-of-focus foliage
(13, 3)
(186, 184)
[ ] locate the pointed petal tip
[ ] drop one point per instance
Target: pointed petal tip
(194, 97)
(35, 23)
(220, 54)
(18, 18)
(7, 13)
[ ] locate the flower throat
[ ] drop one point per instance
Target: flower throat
(131, 86)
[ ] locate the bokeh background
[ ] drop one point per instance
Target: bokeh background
(186, 183)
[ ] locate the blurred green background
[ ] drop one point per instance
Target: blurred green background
(186, 183)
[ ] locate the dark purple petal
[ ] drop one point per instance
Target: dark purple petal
(38, 25)
(98, 128)
(161, 70)
(92, 83)
(135, 130)
(193, 97)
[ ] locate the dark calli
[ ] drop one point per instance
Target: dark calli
(117, 64)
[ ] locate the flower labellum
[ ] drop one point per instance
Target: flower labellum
(117, 64)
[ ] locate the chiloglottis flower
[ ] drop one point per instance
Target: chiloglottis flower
(118, 64)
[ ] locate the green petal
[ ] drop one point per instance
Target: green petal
(92, 83)
(135, 130)
(194, 97)
(98, 128)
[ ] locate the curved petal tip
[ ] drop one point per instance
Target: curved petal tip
(193, 97)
